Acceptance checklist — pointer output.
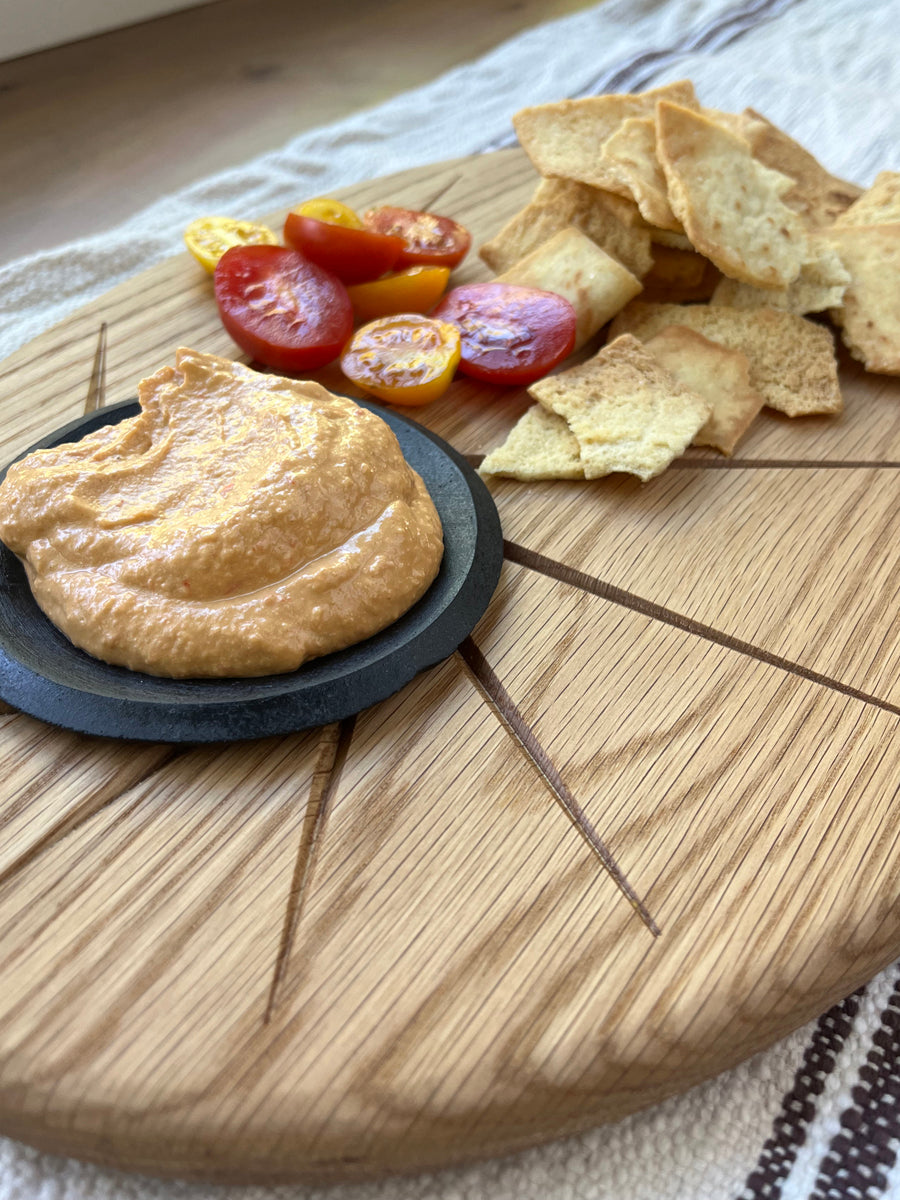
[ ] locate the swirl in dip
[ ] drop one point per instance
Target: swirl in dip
(239, 525)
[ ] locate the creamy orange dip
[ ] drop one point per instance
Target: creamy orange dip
(239, 525)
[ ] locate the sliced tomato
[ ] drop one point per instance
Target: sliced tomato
(354, 255)
(335, 212)
(429, 240)
(417, 289)
(509, 334)
(403, 359)
(208, 238)
(283, 310)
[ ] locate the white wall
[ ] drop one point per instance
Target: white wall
(29, 25)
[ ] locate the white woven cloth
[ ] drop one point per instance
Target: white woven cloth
(818, 1115)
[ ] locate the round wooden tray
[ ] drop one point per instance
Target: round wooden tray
(429, 933)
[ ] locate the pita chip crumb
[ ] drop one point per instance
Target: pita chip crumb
(539, 446)
(730, 205)
(626, 411)
(713, 371)
(570, 264)
(870, 314)
(792, 360)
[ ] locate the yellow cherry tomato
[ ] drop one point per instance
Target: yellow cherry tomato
(414, 290)
(332, 212)
(403, 359)
(208, 238)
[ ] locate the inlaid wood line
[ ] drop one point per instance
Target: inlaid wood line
(79, 815)
(96, 397)
(334, 746)
(776, 464)
(524, 557)
(441, 192)
(524, 737)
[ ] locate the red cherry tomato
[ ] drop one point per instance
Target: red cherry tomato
(429, 240)
(509, 334)
(286, 312)
(354, 255)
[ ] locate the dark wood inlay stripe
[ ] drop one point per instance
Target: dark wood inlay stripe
(96, 397)
(524, 736)
(334, 745)
(658, 612)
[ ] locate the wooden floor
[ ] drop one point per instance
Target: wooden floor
(93, 131)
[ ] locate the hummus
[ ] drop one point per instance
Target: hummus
(239, 525)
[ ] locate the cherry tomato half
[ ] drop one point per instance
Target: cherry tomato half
(283, 310)
(414, 290)
(323, 208)
(509, 334)
(429, 240)
(208, 238)
(354, 255)
(403, 359)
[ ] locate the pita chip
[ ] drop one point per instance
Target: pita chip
(792, 360)
(870, 314)
(570, 264)
(713, 371)
(625, 410)
(539, 446)
(730, 205)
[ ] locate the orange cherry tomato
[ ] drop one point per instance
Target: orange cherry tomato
(352, 253)
(429, 240)
(414, 290)
(404, 359)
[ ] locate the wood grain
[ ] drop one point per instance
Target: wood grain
(389, 945)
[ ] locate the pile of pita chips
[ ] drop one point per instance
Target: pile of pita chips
(734, 232)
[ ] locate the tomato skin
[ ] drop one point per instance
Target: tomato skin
(334, 212)
(414, 289)
(429, 240)
(510, 334)
(403, 359)
(354, 255)
(286, 312)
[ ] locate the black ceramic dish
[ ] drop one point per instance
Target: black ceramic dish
(43, 674)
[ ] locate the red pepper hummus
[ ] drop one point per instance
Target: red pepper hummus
(239, 525)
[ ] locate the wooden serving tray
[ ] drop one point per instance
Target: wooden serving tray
(391, 943)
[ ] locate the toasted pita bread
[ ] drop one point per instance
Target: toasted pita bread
(870, 314)
(539, 446)
(629, 155)
(626, 411)
(570, 264)
(819, 286)
(565, 138)
(557, 204)
(816, 194)
(679, 276)
(730, 204)
(792, 360)
(879, 205)
(713, 371)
